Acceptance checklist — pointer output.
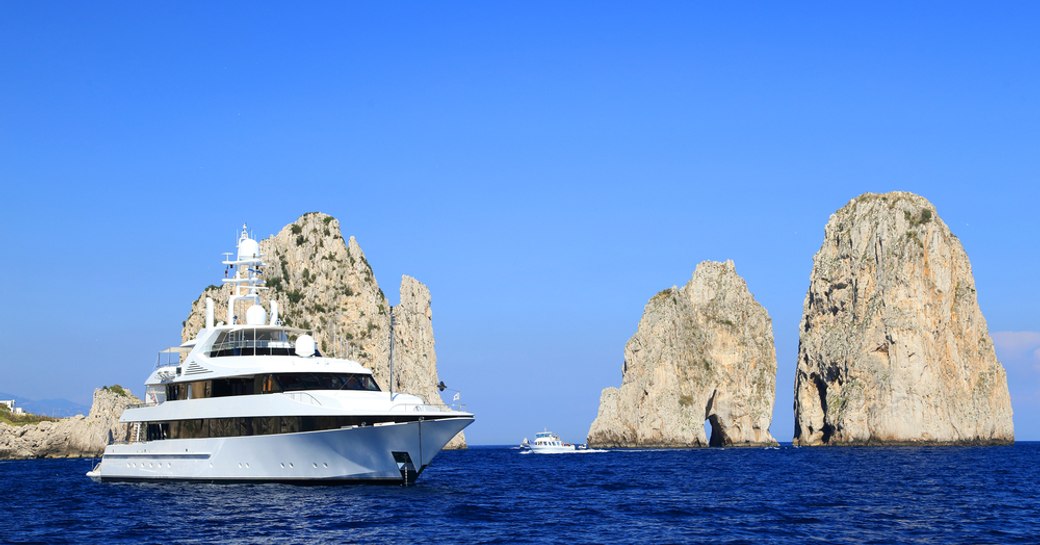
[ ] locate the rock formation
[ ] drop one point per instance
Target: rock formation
(703, 352)
(75, 437)
(326, 285)
(893, 347)
(415, 360)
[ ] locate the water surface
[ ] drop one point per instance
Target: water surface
(500, 495)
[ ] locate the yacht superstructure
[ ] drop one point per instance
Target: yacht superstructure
(254, 400)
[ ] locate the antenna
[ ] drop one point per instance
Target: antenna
(391, 353)
(246, 281)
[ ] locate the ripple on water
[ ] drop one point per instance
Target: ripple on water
(497, 495)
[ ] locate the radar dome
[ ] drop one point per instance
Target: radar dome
(305, 346)
(256, 315)
(248, 249)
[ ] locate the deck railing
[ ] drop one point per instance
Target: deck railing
(428, 407)
(302, 397)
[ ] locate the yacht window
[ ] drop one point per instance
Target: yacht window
(176, 391)
(200, 389)
(201, 428)
(254, 342)
(266, 425)
(293, 382)
(233, 387)
(270, 384)
(290, 424)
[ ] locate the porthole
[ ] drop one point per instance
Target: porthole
(290, 465)
(283, 465)
(326, 465)
(315, 465)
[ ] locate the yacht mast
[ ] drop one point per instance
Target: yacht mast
(246, 282)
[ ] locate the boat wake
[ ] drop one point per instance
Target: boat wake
(579, 451)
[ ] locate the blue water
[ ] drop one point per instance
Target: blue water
(498, 495)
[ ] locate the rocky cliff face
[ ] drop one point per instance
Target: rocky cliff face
(78, 436)
(893, 347)
(325, 284)
(415, 361)
(703, 352)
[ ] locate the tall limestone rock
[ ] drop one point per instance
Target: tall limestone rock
(703, 352)
(326, 285)
(74, 437)
(415, 361)
(893, 347)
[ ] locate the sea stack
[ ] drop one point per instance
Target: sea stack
(325, 284)
(702, 352)
(893, 347)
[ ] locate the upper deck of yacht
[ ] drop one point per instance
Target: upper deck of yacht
(256, 340)
(251, 342)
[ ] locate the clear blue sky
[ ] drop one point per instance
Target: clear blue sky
(544, 167)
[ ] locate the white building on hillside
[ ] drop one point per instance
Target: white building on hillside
(10, 405)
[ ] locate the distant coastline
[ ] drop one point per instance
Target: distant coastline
(55, 407)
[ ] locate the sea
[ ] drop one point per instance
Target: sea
(884, 495)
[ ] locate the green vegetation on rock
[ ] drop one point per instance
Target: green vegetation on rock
(116, 389)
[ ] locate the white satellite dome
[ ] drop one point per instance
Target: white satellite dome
(305, 346)
(248, 249)
(256, 315)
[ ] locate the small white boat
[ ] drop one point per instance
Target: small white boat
(547, 442)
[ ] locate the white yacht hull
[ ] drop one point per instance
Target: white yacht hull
(552, 449)
(392, 452)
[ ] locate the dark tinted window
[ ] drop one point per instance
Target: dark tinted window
(293, 382)
(269, 384)
(255, 425)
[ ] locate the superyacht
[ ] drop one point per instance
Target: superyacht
(253, 400)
